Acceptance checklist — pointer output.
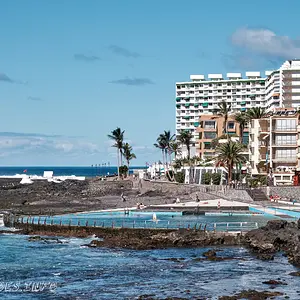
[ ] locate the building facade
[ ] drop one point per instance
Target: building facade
(275, 144)
(211, 127)
(200, 96)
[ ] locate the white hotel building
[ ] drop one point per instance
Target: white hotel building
(279, 88)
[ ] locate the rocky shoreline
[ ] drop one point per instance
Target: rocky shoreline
(72, 196)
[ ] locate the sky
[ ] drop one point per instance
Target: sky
(71, 71)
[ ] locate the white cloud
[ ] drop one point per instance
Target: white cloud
(266, 42)
(20, 143)
(42, 149)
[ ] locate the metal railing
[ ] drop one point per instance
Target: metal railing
(139, 224)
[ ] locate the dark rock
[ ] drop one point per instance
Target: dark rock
(252, 295)
(276, 224)
(47, 240)
(34, 238)
(210, 253)
(277, 235)
(274, 282)
(265, 256)
(295, 274)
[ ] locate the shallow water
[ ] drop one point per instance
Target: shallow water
(88, 273)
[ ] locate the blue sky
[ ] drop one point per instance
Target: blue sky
(72, 71)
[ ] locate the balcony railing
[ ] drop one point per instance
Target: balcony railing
(286, 129)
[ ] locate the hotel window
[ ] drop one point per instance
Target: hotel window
(285, 139)
(230, 125)
(207, 146)
(286, 153)
(209, 124)
(286, 124)
(210, 135)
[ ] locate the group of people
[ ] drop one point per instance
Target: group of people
(274, 198)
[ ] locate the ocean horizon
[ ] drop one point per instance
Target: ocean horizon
(87, 171)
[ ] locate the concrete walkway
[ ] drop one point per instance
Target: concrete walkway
(204, 204)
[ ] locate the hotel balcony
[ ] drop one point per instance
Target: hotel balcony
(286, 145)
(285, 160)
(285, 129)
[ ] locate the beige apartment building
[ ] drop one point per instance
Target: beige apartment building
(274, 145)
(211, 127)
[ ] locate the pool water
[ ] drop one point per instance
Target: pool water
(145, 219)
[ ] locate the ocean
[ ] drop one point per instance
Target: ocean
(88, 171)
(70, 270)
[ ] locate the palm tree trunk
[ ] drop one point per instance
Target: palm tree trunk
(128, 167)
(166, 161)
(163, 158)
(225, 126)
(121, 159)
(241, 133)
(118, 157)
(230, 167)
(188, 150)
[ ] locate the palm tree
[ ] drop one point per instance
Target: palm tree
(162, 145)
(185, 138)
(168, 139)
(242, 119)
(175, 148)
(230, 154)
(128, 155)
(256, 113)
(224, 110)
(117, 136)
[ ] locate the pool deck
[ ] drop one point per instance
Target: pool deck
(205, 205)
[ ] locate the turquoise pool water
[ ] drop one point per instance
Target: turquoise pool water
(145, 219)
(291, 213)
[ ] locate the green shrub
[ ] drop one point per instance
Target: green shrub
(179, 177)
(206, 178)
(216, 178)
(123, 170)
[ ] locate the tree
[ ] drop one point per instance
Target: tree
(242, 119)
(224, 110)
(175, 148)
(162, 145)
(117, 136)
(185, 138)
(168, 139)
(163, 142)
(228, 155)
(256, 113)
(128, 155)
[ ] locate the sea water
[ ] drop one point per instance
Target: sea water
(88, 171)
(73, 271)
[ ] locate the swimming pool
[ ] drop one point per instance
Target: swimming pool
(158, 219)
(291, 213)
